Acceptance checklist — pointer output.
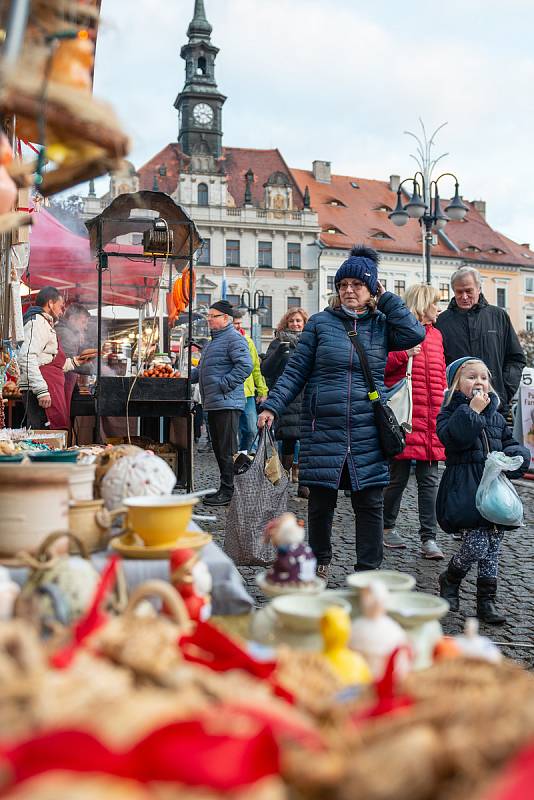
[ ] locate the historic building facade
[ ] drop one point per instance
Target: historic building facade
(285, 231)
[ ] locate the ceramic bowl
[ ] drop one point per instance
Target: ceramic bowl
(395, 581)
(54, 456)
(303, 613)
(414, 608)
(159, 520)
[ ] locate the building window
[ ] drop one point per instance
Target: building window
(444, 292)
(400, 287)
(203, 299)
(501, 297)
(294, 302)
(234, 299)
(232, 252)
(162, 170)
(384, 283)
(529, 285)
(265, 254)
(204, 255)
(202, 194)
(293, 255)
(201, 66)
(266, 319)
(529, 322)
(330, 285)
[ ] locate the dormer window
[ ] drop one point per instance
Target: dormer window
(332, 230)
(471, 248)
(335, 203)
(383, 207)
(496, 250)
(380, 235)
(354, 185)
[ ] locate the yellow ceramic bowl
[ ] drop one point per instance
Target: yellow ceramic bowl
(160, 520)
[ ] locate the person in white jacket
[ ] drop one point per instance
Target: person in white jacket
(43, 363)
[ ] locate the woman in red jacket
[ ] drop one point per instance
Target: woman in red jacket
(422, 444)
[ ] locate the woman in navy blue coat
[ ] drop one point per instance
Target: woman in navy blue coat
(340, 448)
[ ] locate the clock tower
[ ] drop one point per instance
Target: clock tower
(200, 103)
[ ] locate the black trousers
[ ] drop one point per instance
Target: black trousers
(224, 432)
(427, 477)
(367, 505)
(35, 416)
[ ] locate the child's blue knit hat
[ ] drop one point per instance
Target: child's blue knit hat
(454, 366)
(362, 265)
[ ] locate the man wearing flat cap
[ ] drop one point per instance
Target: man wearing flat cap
(224, 366)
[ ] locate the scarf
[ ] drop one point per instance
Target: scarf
(288, 336)
(355, 314)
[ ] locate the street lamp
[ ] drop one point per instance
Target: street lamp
(425, 206)
(256, 307)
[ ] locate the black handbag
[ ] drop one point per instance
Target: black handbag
(390, 434)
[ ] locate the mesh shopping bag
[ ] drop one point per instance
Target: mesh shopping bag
(256, 500)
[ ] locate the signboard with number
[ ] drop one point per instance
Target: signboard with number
(526, 410)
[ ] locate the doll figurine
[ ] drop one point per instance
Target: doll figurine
(295, 563)
(375, 635)
(192, 580)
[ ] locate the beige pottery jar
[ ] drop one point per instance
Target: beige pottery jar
(34, 501)
(90, 522)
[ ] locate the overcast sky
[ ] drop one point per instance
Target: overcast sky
(340, 80)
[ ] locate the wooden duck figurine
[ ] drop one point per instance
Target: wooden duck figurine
(349, 666)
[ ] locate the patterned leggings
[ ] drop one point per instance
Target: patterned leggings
(479, 546)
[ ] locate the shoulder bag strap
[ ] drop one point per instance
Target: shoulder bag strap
(373, 393)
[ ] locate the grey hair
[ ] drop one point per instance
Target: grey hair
(463, 272)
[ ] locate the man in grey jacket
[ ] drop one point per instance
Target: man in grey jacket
(224, 365)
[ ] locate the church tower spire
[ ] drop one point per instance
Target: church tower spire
(200, 103)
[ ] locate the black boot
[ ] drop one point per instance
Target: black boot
(449, 585)
(486, 595)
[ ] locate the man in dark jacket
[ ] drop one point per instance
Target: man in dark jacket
(471, 326)
(224, 366)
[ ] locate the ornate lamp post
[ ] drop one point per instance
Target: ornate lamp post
(425, 206)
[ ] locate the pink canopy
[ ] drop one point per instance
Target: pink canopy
(62, 259)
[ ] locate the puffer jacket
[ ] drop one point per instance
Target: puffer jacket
(428, 385)
(278, 354)
(462, 432)
(255, 385)
(39, 347)
(223, 368)
(485, 331)
(337, 421)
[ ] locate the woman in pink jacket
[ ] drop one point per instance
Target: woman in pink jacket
(422, 444)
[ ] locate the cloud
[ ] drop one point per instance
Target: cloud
(342, 81)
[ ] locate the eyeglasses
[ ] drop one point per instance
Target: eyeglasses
(351, 284)
(214, 316)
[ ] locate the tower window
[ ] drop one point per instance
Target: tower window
(202, 194)
(201, 66)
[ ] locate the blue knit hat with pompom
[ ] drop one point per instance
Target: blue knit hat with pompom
(362, 264)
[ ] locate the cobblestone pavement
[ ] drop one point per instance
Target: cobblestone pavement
(516, 583)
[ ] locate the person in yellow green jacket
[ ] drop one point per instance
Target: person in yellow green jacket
(255, 390)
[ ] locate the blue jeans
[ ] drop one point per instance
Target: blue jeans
(248, 424)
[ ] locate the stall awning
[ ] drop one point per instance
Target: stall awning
(63, 259)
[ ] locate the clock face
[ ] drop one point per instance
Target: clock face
(203, 114)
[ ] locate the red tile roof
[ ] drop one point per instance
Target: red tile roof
(359, 221)
(234, 162)
(357, 217)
